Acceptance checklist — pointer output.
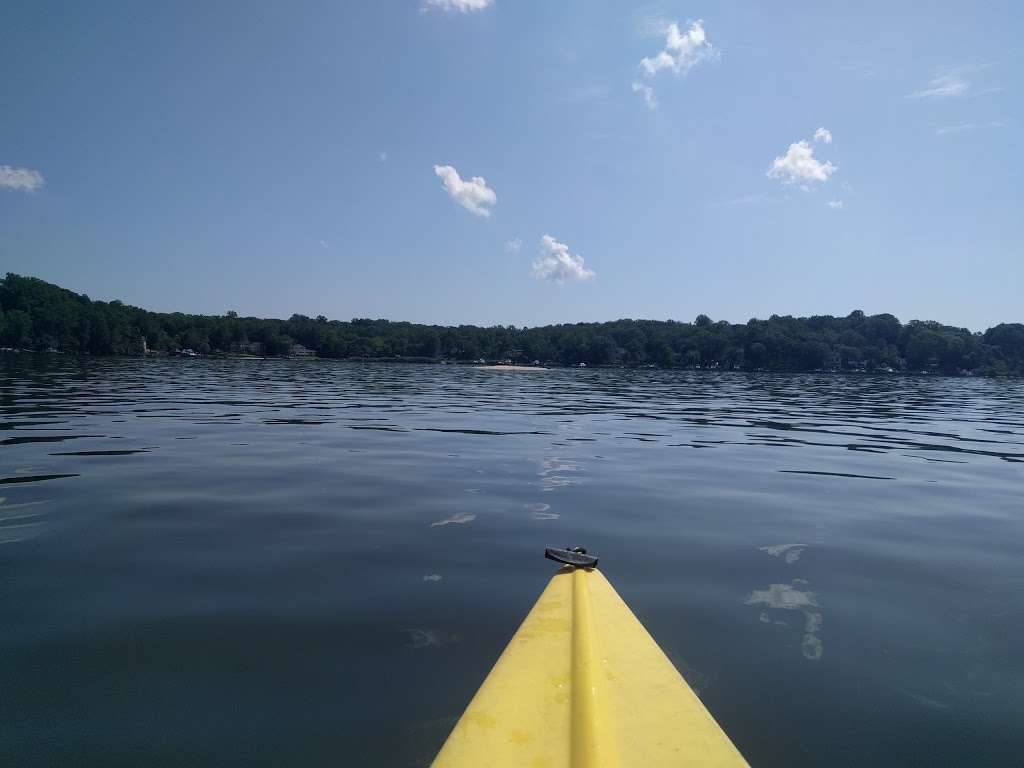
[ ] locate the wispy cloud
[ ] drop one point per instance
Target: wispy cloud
(943, 87)
(21, 179)
(515, 245)
(752, 199)
(382, 157)
(799, 165)
(474, 195)
(324, 244)
(556, 264)
(836, 205)
(585, 93)
(961, 128)
(461, 6)
(862, 69)
(952, 83)
(945, 130)
(648, 94)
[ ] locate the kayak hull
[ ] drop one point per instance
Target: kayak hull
(583, 685)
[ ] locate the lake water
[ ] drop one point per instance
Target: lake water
(315, 563)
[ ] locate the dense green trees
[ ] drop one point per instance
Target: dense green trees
(39, 316)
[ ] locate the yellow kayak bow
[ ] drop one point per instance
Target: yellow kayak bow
(583, 685)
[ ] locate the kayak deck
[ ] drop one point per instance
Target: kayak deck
(582, 684)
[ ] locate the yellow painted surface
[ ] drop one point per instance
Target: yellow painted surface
(583, 685)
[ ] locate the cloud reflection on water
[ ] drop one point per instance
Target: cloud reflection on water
(430, 638)
(541, 511)
(786, 597)
(791, 552)
(459, 518)
(17, 523)
(553, 473)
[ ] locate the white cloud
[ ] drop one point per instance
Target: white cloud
(462, 6)
(382, 157)
(682, 52)
(515, 245)
(324, 244)
(648, 94)
(836, 205)
(799, 163)
(943, 86)
(433, 577)
(556, 264)
(20, 179)
(473, 195)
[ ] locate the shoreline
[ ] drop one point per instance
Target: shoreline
(511, 368)
(7, 353)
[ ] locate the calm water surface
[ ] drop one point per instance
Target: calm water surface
(212, 563)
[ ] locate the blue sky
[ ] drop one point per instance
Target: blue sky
(466, 161)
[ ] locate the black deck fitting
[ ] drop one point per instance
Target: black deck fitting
(575, 556)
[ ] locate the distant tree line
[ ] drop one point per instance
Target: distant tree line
(39, 316)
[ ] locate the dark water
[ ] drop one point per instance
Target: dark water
(212, 563)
